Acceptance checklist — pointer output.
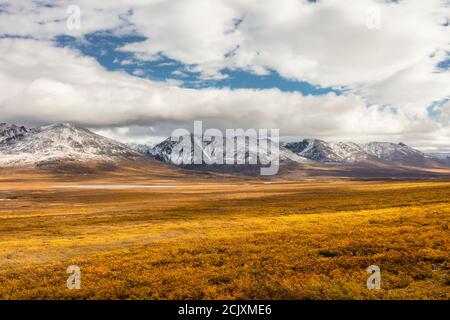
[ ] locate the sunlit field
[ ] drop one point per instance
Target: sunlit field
(224, 240)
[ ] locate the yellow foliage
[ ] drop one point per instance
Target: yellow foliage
(227, 241)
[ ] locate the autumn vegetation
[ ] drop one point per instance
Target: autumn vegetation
(237, 239)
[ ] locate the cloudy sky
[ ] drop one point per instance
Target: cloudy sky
(135, 70)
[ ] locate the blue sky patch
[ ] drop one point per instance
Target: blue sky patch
(104, 47)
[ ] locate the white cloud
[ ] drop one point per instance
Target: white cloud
(413, 89)
(44, 84)
(32, 19)
(326, 43)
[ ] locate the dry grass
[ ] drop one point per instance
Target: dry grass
(202, 240)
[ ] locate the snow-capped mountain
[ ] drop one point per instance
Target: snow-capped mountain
(350, 152)
(393, 152)
(63, 141)
(322, 151)
(313, 149)
(58, 143)
(304, 151)
(214, 151)
(141, 147)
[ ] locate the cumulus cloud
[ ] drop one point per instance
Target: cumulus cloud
(390, 71)
(327, 43)
(48, 84)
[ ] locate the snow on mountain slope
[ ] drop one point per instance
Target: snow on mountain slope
(314, 149)
(304, 151)
(438, 156)
(350, 152)
(215, 151)
(141, 147)
(62, 141)
(393, 152)
(59, 142)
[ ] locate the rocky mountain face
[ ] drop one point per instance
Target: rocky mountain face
(392, 152)
(350, 152)
(63, 141)
(304, 151)
(307, 157)
(67, 142)
(214, 151)
(141, 148)
(322, 151)
(11, 132)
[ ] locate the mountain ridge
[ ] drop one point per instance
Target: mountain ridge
(316, 150)
(62, 142)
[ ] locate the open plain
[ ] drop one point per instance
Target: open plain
(135, 237)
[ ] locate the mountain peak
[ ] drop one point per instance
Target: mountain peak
(392, 152)
(59, 141)
(63, 125)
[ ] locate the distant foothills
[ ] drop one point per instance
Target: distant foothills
(60, 143)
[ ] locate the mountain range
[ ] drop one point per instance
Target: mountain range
(307, 151)
(65, 142)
